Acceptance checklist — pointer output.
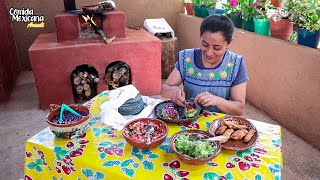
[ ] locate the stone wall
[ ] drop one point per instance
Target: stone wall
(284, 77)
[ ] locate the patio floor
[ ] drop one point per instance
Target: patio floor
(20, 119)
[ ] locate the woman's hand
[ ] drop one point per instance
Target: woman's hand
(207, 99)
(178, 96)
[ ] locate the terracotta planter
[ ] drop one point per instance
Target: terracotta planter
(278, 3)
(189, 8)
(281, 29)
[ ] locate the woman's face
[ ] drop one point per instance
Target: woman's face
(213, 47)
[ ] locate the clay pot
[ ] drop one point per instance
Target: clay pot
(278, 3)
(281, 29)
(189, 8)
(144, 145)
(66, 131)
(190, 160)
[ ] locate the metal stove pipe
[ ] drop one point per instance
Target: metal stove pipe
(69, 5)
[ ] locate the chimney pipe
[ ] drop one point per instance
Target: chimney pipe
(69, 5)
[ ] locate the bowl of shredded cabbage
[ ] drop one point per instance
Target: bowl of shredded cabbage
(190, 147)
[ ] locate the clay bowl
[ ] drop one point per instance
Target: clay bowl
(189, 160)
(67, 131)
(237, 145)
(90, 8)
(160, 127)
(181, 119)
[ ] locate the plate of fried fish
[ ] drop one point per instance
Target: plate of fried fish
(241, 133)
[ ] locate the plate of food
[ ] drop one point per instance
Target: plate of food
(241, 132)
(171, 112)
(190, 147)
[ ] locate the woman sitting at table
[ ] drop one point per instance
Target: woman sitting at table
(214, 76)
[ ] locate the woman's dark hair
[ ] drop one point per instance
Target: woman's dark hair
(218, 23)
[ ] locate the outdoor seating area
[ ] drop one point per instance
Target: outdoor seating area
(84, 93)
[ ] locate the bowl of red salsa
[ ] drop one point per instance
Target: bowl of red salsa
(135, 134)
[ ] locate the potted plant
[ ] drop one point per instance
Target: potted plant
(189, 6)
(278, 3)
(248, 12)
(307, 23)
(196, 7)
(212, 9)
(216, 8)
(234, 12)
(205, 4)
(261, 21)
(281, 25)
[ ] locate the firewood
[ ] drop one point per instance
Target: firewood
(79, 89)
(88, 92)
(74, 75)
(80, 74)
(90, 79)
(83, 82)
(85, 75)
(76, 80)
(86, 87)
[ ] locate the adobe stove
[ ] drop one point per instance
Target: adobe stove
(92, 51)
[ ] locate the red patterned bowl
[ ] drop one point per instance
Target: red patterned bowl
(67, 131)
(161, 129)
(189, 160)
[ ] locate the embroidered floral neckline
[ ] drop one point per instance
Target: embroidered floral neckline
(222, 74)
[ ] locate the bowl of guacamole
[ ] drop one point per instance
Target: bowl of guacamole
(189, 147)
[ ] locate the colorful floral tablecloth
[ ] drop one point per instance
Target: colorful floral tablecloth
(102, 153)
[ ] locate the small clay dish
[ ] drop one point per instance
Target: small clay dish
(90, 8)
(181, 118)
(237, 145)
(189, 160)
(74, 129)
(133, 132)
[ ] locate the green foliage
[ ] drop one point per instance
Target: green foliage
(207, 3)
(247, 9)
(304, 14)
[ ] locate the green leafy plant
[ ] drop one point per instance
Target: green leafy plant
(304, 14)
(186, 1)
(207, 3)
(233, 6)
(248, 9)
(261, 10)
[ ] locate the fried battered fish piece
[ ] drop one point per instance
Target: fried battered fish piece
(249, 135)
(227, 133)
(234, 125)
(239, 134)
(221, 129)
